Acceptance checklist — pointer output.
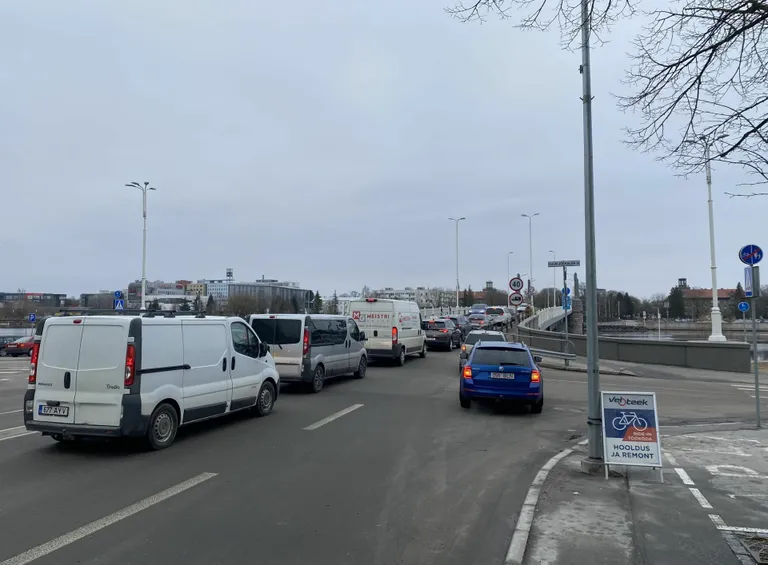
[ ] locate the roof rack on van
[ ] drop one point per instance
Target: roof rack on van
(130, 311)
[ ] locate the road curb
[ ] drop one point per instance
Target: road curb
(621, 372)
(519, 543)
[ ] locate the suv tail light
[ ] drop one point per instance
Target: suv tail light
(33, 363)
(394, 335)
(467, 373)
(130, 365)
(443, 331)
(535, 376)
(305, 342)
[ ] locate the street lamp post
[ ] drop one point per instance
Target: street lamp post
(143, 188)
(554, 279)
(530, 258)
(457, 220)
(509, 275)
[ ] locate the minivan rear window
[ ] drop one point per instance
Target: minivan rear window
(276, 331)
(501, 356)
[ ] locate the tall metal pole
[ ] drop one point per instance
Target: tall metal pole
(457, 220)
(594, 419)
(755, 360)
(716, 316)
(144, 251)
(530, 259)
(554, 280)
(509, 276)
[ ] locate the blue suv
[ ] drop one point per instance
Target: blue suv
(502, 371)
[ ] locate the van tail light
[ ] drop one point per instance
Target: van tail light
(467, 373)
(33, 363)
(130, 365)
(535, 376)
(394, 335)
(464, 347)
(305, 342)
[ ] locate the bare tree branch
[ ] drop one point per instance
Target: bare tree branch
(732, 195)
(700, 72)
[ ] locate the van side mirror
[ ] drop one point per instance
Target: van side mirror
(362, 337)
(463, 355)
(263, 349)
(537, 359)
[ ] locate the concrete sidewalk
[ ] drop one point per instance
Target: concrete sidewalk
(579, 364)
(711, 507)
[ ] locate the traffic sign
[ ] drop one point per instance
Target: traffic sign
(118, 304)
(515, 299)
(118, 294)
(32, 318)
(516, 284)
(631, 429)
(750, 254)
(571, 263)
(567, 303)
(566, 291)
(744, 306)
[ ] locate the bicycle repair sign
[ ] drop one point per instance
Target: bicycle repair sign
(631, 429)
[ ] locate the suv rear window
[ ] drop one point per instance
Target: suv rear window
(276, 331)
(472, 339)
(477, 317)
(434, 325)
(495, 311)
(500, 356)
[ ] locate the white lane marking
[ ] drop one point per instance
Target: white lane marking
(14, 432)
(10, 412)
(684, 476)
(329, 419)
(700, 497)
(88, 529)
(670, 458)
(720, 525)
(516, 550)
(17, 435)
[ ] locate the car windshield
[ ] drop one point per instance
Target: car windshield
(435, 325)
(500, 356)
(473, 338)
(495, 311)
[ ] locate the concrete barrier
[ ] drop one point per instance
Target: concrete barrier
(730, 356)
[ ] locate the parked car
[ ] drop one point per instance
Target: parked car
(442, 333)
(311, 348)
(21, 346)
(5, 340)
(392, 328)
(461, 322)
(144, 376)
(502, 371)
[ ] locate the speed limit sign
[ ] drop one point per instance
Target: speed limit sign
(516, 284)
(515, 299)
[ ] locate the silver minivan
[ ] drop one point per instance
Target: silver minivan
(310, 348)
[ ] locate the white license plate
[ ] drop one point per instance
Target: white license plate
(430, 339)
(507, 376)
(44, 410)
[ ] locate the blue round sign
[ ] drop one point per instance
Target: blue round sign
(743, 306)
(750, 254)
(32, 318)
(566, 291)
(118, 294)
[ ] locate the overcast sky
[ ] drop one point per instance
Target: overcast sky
(326, 143)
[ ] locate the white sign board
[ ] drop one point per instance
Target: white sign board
(631, 429)
(515, 299)
(516, 284)
(748, 282)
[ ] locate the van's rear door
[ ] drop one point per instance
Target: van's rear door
(57, 371)
(101, 371)
(285, 337)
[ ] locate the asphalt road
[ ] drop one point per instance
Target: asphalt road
(405, 477)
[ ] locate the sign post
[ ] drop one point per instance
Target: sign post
(751, 255)
(744, 308)
(566, 294)
(631, 430)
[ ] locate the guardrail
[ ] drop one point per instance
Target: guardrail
(444, 311)
(555, 346)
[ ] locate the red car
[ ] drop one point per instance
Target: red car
(22, 346)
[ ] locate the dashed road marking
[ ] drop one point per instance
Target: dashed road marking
(670, 458)
(329, 419)
(684, 476)
(721, 525)
(700, 497)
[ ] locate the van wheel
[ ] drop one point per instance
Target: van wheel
(401, 357)
(163, 425)
(361, 368)
(266, 400)
(318, 379)
(423, 353)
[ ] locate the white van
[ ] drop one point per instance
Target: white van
(310, 348)
(392, 328)
(144, 376)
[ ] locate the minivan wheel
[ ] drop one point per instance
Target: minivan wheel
(318, 379)
(401, 357)
(163, 425)
(361, 368)
(423, 353)
(266, 400)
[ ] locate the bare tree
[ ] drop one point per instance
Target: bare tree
(699, 73)
(243, 305)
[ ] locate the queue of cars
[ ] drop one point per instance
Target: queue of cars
(147, 374)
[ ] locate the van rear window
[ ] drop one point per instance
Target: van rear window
(276, 331)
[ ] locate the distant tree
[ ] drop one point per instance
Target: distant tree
(495, 297)
(210, 306)
(242, 305)
(733, 304)
(184, 306)
(676, 301)
(468, 297)
(154, 305)
(628, 306)
(334, 305)
(295, 306)
(198, 304)
(317, 305)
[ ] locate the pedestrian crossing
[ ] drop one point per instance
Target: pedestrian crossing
(749, 389)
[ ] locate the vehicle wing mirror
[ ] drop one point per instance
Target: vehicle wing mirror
(362, 337)
(463, 355)
(537, 359)
(263, 349)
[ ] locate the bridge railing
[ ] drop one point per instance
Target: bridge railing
(443, 311)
